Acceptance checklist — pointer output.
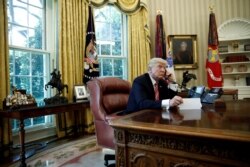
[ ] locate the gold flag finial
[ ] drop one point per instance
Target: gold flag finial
(211, 8)
(159, 11)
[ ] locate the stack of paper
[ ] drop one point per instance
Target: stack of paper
(190, 104)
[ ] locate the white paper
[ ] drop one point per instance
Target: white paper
(190, 104)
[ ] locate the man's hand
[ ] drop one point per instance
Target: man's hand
(169, 77)
(175, 101)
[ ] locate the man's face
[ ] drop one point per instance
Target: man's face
(183, 47)
(158, 71)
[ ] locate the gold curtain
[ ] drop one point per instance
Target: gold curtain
(73, 17)
(138, 44)
(5, 129)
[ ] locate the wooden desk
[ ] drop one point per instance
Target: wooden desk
(210, 137)
(231, 92)
(31, 112)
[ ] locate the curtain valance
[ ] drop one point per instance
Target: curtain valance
(126, 6)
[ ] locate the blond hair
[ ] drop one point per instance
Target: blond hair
(154, 61)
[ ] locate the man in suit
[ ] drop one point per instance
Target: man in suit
(151, 90)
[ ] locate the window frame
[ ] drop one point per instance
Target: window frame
(124, 52)
(49, 43)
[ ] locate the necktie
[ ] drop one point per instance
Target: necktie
(156, 91)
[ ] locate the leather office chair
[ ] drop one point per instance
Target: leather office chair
(107, 97)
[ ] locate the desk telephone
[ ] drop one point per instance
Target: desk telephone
(207, 96)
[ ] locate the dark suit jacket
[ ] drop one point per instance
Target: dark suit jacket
(142, 94)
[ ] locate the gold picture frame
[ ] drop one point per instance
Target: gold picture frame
(184, 51)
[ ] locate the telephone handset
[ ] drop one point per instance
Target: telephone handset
(206, 96)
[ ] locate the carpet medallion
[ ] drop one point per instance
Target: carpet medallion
(57, 156)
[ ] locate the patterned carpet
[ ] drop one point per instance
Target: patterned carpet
(62, 154)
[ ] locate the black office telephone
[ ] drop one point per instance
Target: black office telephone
(211, 95)
(206, 96)
(196, 91)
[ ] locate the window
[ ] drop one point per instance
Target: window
(29, 59)
(111, 39)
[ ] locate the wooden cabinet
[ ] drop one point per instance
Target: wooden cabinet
(234, 52)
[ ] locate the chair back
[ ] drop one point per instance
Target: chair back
(107, 97)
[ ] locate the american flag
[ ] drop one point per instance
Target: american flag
(213, 66)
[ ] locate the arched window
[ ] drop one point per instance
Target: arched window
(111, 39)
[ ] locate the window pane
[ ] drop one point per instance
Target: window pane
(35, 17)
(37, 64)
(98, 48)
(115, 16)
(11, 62)
(116, 24)
(107, 67)
(116, 31)
(38, 3)
(18, 36)
(35, 38)
(105, 49)
(27, 122)
(26, 24)
(118, 67)
(24, 0)
(22, 83)
(38, 88)
(38, 120)
(11, 80)
(102, 15)
(103, 31)
(18, 13)
(22, 63)
(116, 49)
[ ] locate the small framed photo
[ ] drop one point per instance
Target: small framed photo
(247, 47)
(184, 51)
(223, 49)
(80, 92)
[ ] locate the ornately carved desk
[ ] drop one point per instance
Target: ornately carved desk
(207, 137)
(31, 112)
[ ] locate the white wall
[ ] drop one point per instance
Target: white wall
(192, 17)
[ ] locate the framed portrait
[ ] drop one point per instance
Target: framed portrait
(184, 51)
(80, 92)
